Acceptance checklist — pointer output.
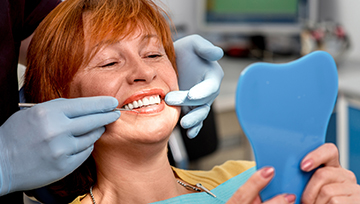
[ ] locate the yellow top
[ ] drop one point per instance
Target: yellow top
(209, 179)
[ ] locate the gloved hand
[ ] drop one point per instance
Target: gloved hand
(42, 144)
(200, 77)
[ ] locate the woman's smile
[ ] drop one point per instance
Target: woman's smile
(145, 102)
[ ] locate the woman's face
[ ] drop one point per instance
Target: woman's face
(136, 71)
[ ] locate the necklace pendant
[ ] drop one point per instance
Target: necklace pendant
(205, 189)
(188, 186)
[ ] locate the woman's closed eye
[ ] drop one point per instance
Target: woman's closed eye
(154, 56)
(108, 64)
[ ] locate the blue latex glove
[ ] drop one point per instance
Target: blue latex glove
(200, 77)
(42, 144)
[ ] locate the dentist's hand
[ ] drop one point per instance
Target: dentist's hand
(42, 144)
(200, 77)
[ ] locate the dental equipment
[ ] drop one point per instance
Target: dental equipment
(29, 105)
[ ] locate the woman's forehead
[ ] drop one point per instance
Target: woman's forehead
(139, 34)
(110, 33)
(94, 43)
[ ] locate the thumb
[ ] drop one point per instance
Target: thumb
(206, 50)
(249, 192)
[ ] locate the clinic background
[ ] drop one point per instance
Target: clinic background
(324, 20)
(330, 25)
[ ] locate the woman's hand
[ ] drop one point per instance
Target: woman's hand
(331, 183)
(249, 192)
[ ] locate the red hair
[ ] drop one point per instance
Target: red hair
(57, 49)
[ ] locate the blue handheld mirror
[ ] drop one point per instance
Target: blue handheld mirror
(284, 110)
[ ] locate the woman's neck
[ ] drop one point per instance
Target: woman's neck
(137, 175)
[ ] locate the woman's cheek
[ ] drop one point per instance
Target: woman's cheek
(172, 81)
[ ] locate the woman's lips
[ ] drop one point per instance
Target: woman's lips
(149, 109)
(145, 102)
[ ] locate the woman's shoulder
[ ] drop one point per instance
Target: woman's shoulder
(217, 175)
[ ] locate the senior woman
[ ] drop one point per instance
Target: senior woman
(123, 49)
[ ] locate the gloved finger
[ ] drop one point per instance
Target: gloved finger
(85, 124)
(206, 49)
(209, 88)
(176, 98)
(83, 142)
(194, 131)
(195, 116)
(79, 158)
(180, 98)
(68, 145)
(84, 106)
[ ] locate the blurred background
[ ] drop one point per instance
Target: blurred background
(271, 31)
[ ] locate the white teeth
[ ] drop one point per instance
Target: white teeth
(144, 102)
(135, 103)
(131, 106)
(140, 103)
(152, 100)
(157, 100)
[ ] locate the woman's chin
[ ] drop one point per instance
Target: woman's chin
(145, 128)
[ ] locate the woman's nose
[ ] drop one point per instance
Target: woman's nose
(141, 72)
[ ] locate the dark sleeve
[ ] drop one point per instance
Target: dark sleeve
(18, 20)
(34, 12)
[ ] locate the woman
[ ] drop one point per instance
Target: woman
(123, 48)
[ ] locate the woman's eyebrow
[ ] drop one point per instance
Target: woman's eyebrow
(145, 39)
(149, 36)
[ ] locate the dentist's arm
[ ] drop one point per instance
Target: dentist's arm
(200, 77)
(42, 144)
